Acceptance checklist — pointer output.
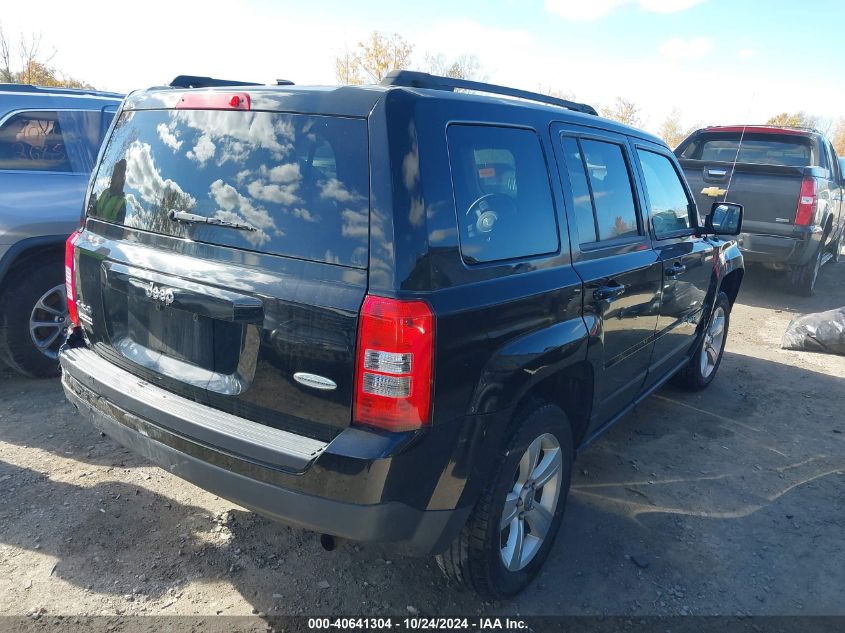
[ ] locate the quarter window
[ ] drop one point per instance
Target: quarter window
(63, 141)
(670, 210)
(502, 193)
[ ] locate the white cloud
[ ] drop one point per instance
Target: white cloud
(281, 194)
(678, 48)
(168, 137)
(334, 190)
(595, 9)
(203, 150)
(143, 175)
(235, 207)
(285, 173)
(745, 53)
(304, 214)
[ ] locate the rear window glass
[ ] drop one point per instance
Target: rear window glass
(286, 184)
(60, 141)
(502, 193)
(794, 152)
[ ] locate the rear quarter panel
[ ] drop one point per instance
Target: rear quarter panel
(502, 327)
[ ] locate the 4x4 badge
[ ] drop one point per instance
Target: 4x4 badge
(165, 295)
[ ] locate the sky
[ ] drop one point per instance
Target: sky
(717, 61)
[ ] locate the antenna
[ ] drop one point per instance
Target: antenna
(739, 147)
(733, 164)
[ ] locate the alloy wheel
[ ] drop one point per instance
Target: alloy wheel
(531, 503)
(49, 321)
(714, 339)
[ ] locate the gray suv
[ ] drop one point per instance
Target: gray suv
(49, 140)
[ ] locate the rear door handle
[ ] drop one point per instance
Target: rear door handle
(608, 292)
(675, 270)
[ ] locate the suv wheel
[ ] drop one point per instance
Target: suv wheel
(34, 320)
(702, 367)
(804, 277)
(509, 534)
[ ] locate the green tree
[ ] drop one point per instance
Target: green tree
(794, 119)
(838, 138)
(462, 67)
(557, 93)
(624, 111)
(373, 58)
(35, 66)
(672, 131)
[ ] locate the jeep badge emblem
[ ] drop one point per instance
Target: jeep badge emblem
(315, 381)
(165, 295)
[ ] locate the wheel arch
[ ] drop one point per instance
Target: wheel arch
(28, 250)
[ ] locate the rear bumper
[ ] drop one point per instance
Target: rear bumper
(137, 421)
(776, 249)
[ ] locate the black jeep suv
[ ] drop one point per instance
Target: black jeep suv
(388, 313)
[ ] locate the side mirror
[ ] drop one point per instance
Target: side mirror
(725, 218)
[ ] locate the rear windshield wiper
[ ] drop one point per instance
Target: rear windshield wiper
(191, 218)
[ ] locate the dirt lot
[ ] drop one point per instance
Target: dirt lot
(727, 502)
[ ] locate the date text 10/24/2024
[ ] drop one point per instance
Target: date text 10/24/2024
(418, 623)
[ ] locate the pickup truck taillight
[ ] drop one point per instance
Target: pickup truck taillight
(70, 277)
(393, 374)
(807, 202)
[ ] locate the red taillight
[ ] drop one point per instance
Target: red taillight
(807, 202)
(394, 367)
(212, 100)
(70, 277)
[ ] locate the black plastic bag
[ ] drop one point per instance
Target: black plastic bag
(818, 332)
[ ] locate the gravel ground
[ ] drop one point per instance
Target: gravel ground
(725, 502)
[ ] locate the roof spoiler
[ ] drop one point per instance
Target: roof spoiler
(414, 79)
(193, 81)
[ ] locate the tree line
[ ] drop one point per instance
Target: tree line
(372, 58)
(26, 62)
(375, 56)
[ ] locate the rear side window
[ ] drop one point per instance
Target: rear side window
(286, 184)
(670, 211)
(502, 193)
(584, 217)
(613, 207)
(58, 141)
(763, 149)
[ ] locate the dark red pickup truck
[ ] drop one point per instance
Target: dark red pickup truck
(790, 184)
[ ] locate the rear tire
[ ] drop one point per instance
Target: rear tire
(520, 510)
(804, 277)
(702, 367)
(33, 294)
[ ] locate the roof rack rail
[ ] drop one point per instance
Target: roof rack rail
(11, 87)
(415, 79)
(193, 81)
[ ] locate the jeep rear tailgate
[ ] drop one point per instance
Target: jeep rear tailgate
(225, 256)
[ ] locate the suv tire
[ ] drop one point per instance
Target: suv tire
(804, 277)
(702, 367)
(836, 247)
(476, 558)
(22, 301)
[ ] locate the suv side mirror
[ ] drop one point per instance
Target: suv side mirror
(725, 218)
